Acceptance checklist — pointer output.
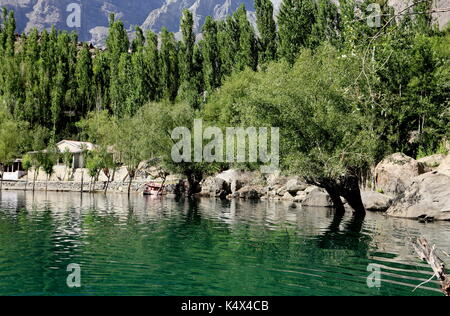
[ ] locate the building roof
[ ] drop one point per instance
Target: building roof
(74, 147)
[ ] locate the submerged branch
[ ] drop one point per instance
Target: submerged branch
(428, 254)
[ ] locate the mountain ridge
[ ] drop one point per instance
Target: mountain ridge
(150, 15)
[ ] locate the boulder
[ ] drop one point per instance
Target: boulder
(394, 174)
(276, 178)
(287, 197)
(229, 175)
(237, 179)
(375, 201)
(301, 196)
(214, 186)
(249, 192)
(236, 185)
(294, 185)
(432, 161)
(428, 196)
(281, 191)
(444, 167)
(316, 196)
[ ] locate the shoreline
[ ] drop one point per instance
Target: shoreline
(73, 187)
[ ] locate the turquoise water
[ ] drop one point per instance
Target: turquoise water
(147, 246)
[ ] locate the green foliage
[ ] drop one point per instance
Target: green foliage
(211, 56)
(12, 137)
(247, 54)
(159, 121)
(324, 132)
(387, 85)
(267, 29)
(94, 164)
(295, 21)
(169, 65)
(327, 26)
(27, 162)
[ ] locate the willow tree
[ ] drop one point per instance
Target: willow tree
(129, 144)
(325, 135)
(160, 121)
(101, 129)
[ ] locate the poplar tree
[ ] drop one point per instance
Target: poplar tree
(188, 88)
(228, 41)
(84, 74)
(101, 80)
(187, 45)
(152, 69)
(117, 44)
(139, 41)
(211, 55)
(169, 65)
(247, 55)
(10, 28)
(327, 26)
(295, 21)
(267, 30)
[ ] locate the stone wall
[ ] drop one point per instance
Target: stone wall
(69, 186)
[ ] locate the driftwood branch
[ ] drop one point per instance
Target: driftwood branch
(428, 254)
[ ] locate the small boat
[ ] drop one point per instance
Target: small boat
(153, 188)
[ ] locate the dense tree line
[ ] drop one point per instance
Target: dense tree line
(345, 93)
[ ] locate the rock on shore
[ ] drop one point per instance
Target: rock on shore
(375, 201)
(394, 173)
(428, 196)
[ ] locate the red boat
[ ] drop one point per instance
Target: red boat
(153, 188)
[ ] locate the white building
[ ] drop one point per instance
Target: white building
(77, 150)
(14, 171)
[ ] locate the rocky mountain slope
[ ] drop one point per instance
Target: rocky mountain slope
(149, 14)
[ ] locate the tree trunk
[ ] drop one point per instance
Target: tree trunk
(336, 199)
(82, 180)
(113, 174)
(428, 254)
(34, 179)
(193, 183)
(106, 186)
(26, 182)
(161, 189)
(348, 188)
(351, 192)
(129, 184)
(1, 180)
(46, 184)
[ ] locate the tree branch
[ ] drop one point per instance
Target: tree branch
(428, 254)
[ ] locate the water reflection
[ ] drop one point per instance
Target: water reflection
(165, 246)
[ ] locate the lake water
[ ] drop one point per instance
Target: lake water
(148, 246)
